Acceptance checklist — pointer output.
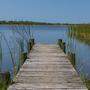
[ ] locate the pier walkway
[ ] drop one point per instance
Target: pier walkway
(47, 68)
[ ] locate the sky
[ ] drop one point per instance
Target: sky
(64, 11)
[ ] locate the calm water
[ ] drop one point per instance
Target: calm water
(14, 40)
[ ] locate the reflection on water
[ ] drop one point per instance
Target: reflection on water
(14, 39)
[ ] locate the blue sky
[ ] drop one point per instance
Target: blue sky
(66, 11)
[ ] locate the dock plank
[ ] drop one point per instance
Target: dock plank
(47, 68)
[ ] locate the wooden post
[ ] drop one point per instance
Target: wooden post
(33, 41)
(64, 47)
(60, 42)
(23, 57)
(30, 44)
(72, 58)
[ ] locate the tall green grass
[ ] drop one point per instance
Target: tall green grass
(21, 35)
(81, 32)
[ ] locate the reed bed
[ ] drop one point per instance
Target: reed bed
(16, 45)
(80, 32)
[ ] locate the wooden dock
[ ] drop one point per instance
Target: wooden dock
(47, 68)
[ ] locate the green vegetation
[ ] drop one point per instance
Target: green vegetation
(20, 39)
(5, 80)
(22, 35)
(87, 84)
(29, 23)
(81, 32)
(0, 50)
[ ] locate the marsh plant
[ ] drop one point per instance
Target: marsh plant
(82, 34)
(10, 51)
(16, 46)
(0, 49)
(3, 81)
(24, 31)
(22, 34)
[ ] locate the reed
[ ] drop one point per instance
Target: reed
(80, 32)
(9, 49)
(0, 49)
(5, 80)
(62, 45)
(21, 38)
(83, 76)
(25, 33)
(72, 58)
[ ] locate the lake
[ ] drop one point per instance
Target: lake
(14, 40)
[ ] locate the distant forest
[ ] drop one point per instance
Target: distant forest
(29, 23)
(39, 23)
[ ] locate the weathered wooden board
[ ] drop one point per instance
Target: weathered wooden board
(47, 68)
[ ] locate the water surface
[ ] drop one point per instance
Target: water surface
(17, 37)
